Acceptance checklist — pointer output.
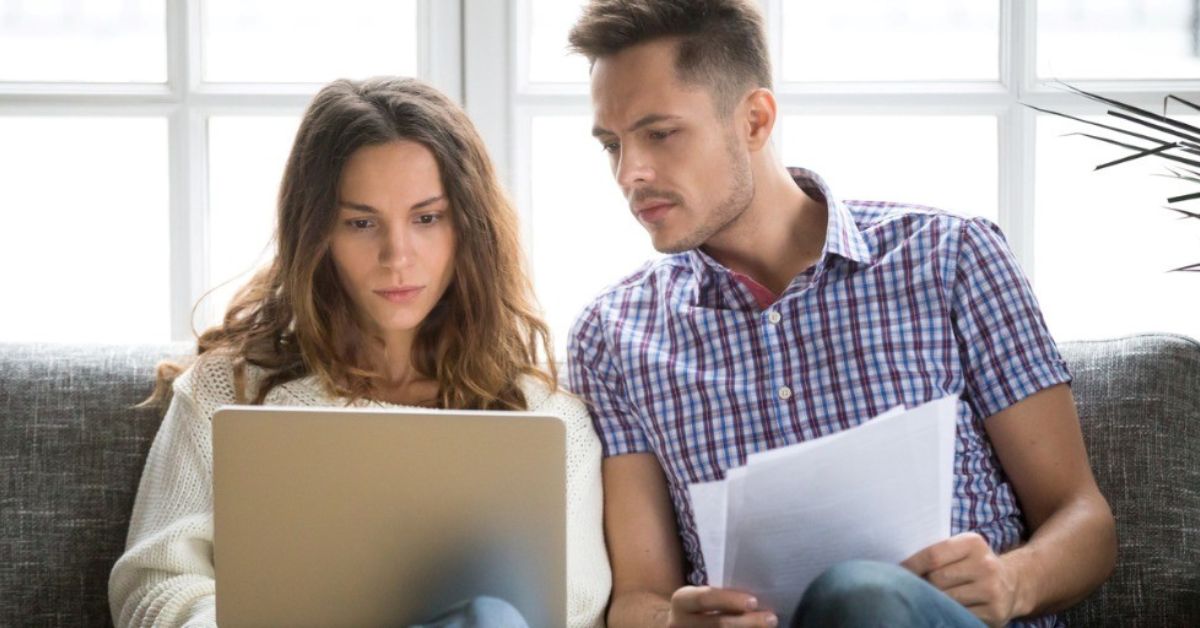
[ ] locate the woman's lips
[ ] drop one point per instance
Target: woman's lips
(400, 295)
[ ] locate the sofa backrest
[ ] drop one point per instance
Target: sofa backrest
(71, 454)
(72, 449)
(1139, 405)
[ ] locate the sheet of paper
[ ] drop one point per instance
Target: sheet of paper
(799, 447)
(709, 509)
(879, 491)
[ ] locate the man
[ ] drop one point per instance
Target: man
(783, 314)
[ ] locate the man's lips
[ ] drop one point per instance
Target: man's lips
(652, 211)
(401, 294)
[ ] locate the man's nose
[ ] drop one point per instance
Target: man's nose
(633, 169)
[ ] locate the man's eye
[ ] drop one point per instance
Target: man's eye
(611, 147)
(660, 135)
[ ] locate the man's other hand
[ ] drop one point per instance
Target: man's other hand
(965, 568)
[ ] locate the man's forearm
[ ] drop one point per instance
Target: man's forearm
(1067, 557)
(637, 610)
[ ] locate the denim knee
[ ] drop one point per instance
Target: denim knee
(862, 593)
(489, 612)
(479, 612)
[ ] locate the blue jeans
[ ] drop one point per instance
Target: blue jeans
(480, 612)
(866, 593)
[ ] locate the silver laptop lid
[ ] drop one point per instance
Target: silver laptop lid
(352, 517)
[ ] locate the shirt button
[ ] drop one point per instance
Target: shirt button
(774, 317)
(785, 392)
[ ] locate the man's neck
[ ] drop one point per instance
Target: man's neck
(779, 236)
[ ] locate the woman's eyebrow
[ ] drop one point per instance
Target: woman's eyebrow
(363, 207)
(429, 201)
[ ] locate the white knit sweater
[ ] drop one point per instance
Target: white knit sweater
(165, 577)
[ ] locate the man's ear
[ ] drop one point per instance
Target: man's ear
(758, 114)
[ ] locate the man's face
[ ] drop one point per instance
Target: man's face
(681, 166)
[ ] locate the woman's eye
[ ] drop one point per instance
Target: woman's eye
(428, 219)
(360, 223)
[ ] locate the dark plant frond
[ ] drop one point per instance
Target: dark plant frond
(1179, 177)
(1187, 174)
(1185, 139)
(1137, 155)
(1185, 197)
(1137, 110)
(1180, 100)
(1186, 213)
(1190, 268)
(1100, 138)
(1094, 123)
(1190, 139)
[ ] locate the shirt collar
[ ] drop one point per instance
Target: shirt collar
(842, 237)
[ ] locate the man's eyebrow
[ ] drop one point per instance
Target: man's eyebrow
(363, 207)
(645, 120)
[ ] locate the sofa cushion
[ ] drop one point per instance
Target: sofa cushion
(71, 452)
(72, 449)
(1139, 405)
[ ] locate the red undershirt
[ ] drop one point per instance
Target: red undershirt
(762, 294)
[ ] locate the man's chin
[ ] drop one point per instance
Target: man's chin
(670, 246)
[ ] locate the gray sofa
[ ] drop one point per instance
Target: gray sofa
(72, 449)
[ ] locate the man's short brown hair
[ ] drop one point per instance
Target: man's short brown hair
(721, 42)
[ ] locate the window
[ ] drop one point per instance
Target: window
(919, 102)
(144, 140)
(144, 163)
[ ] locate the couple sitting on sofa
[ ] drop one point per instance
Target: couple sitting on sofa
(781, 314)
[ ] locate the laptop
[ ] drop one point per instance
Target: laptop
(381, 517)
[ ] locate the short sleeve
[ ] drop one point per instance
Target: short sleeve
(1006, 349)
(595, 376)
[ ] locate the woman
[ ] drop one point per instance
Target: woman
(397, 281)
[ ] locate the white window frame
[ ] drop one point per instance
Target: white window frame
(477, 52)
(187, 103)
(503, 102)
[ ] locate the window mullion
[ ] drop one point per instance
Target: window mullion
(188, 154)
(1018, 142)
(487, 97)
(440, 49)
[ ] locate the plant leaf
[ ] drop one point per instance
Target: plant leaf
(1142, 112)
(1190, 268)
(1178, 99)
(1101, 138)
(1187, 137)
(1186, 213)
(1138, 155)
(1185, 197)
(1103, 126)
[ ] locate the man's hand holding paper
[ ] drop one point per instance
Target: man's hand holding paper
(772, 526)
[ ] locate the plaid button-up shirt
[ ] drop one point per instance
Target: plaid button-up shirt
(906, 304)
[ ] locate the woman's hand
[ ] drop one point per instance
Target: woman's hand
(711, 606)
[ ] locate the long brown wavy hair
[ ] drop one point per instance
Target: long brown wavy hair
(294, 317)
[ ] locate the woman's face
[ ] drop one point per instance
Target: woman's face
(393, 245)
